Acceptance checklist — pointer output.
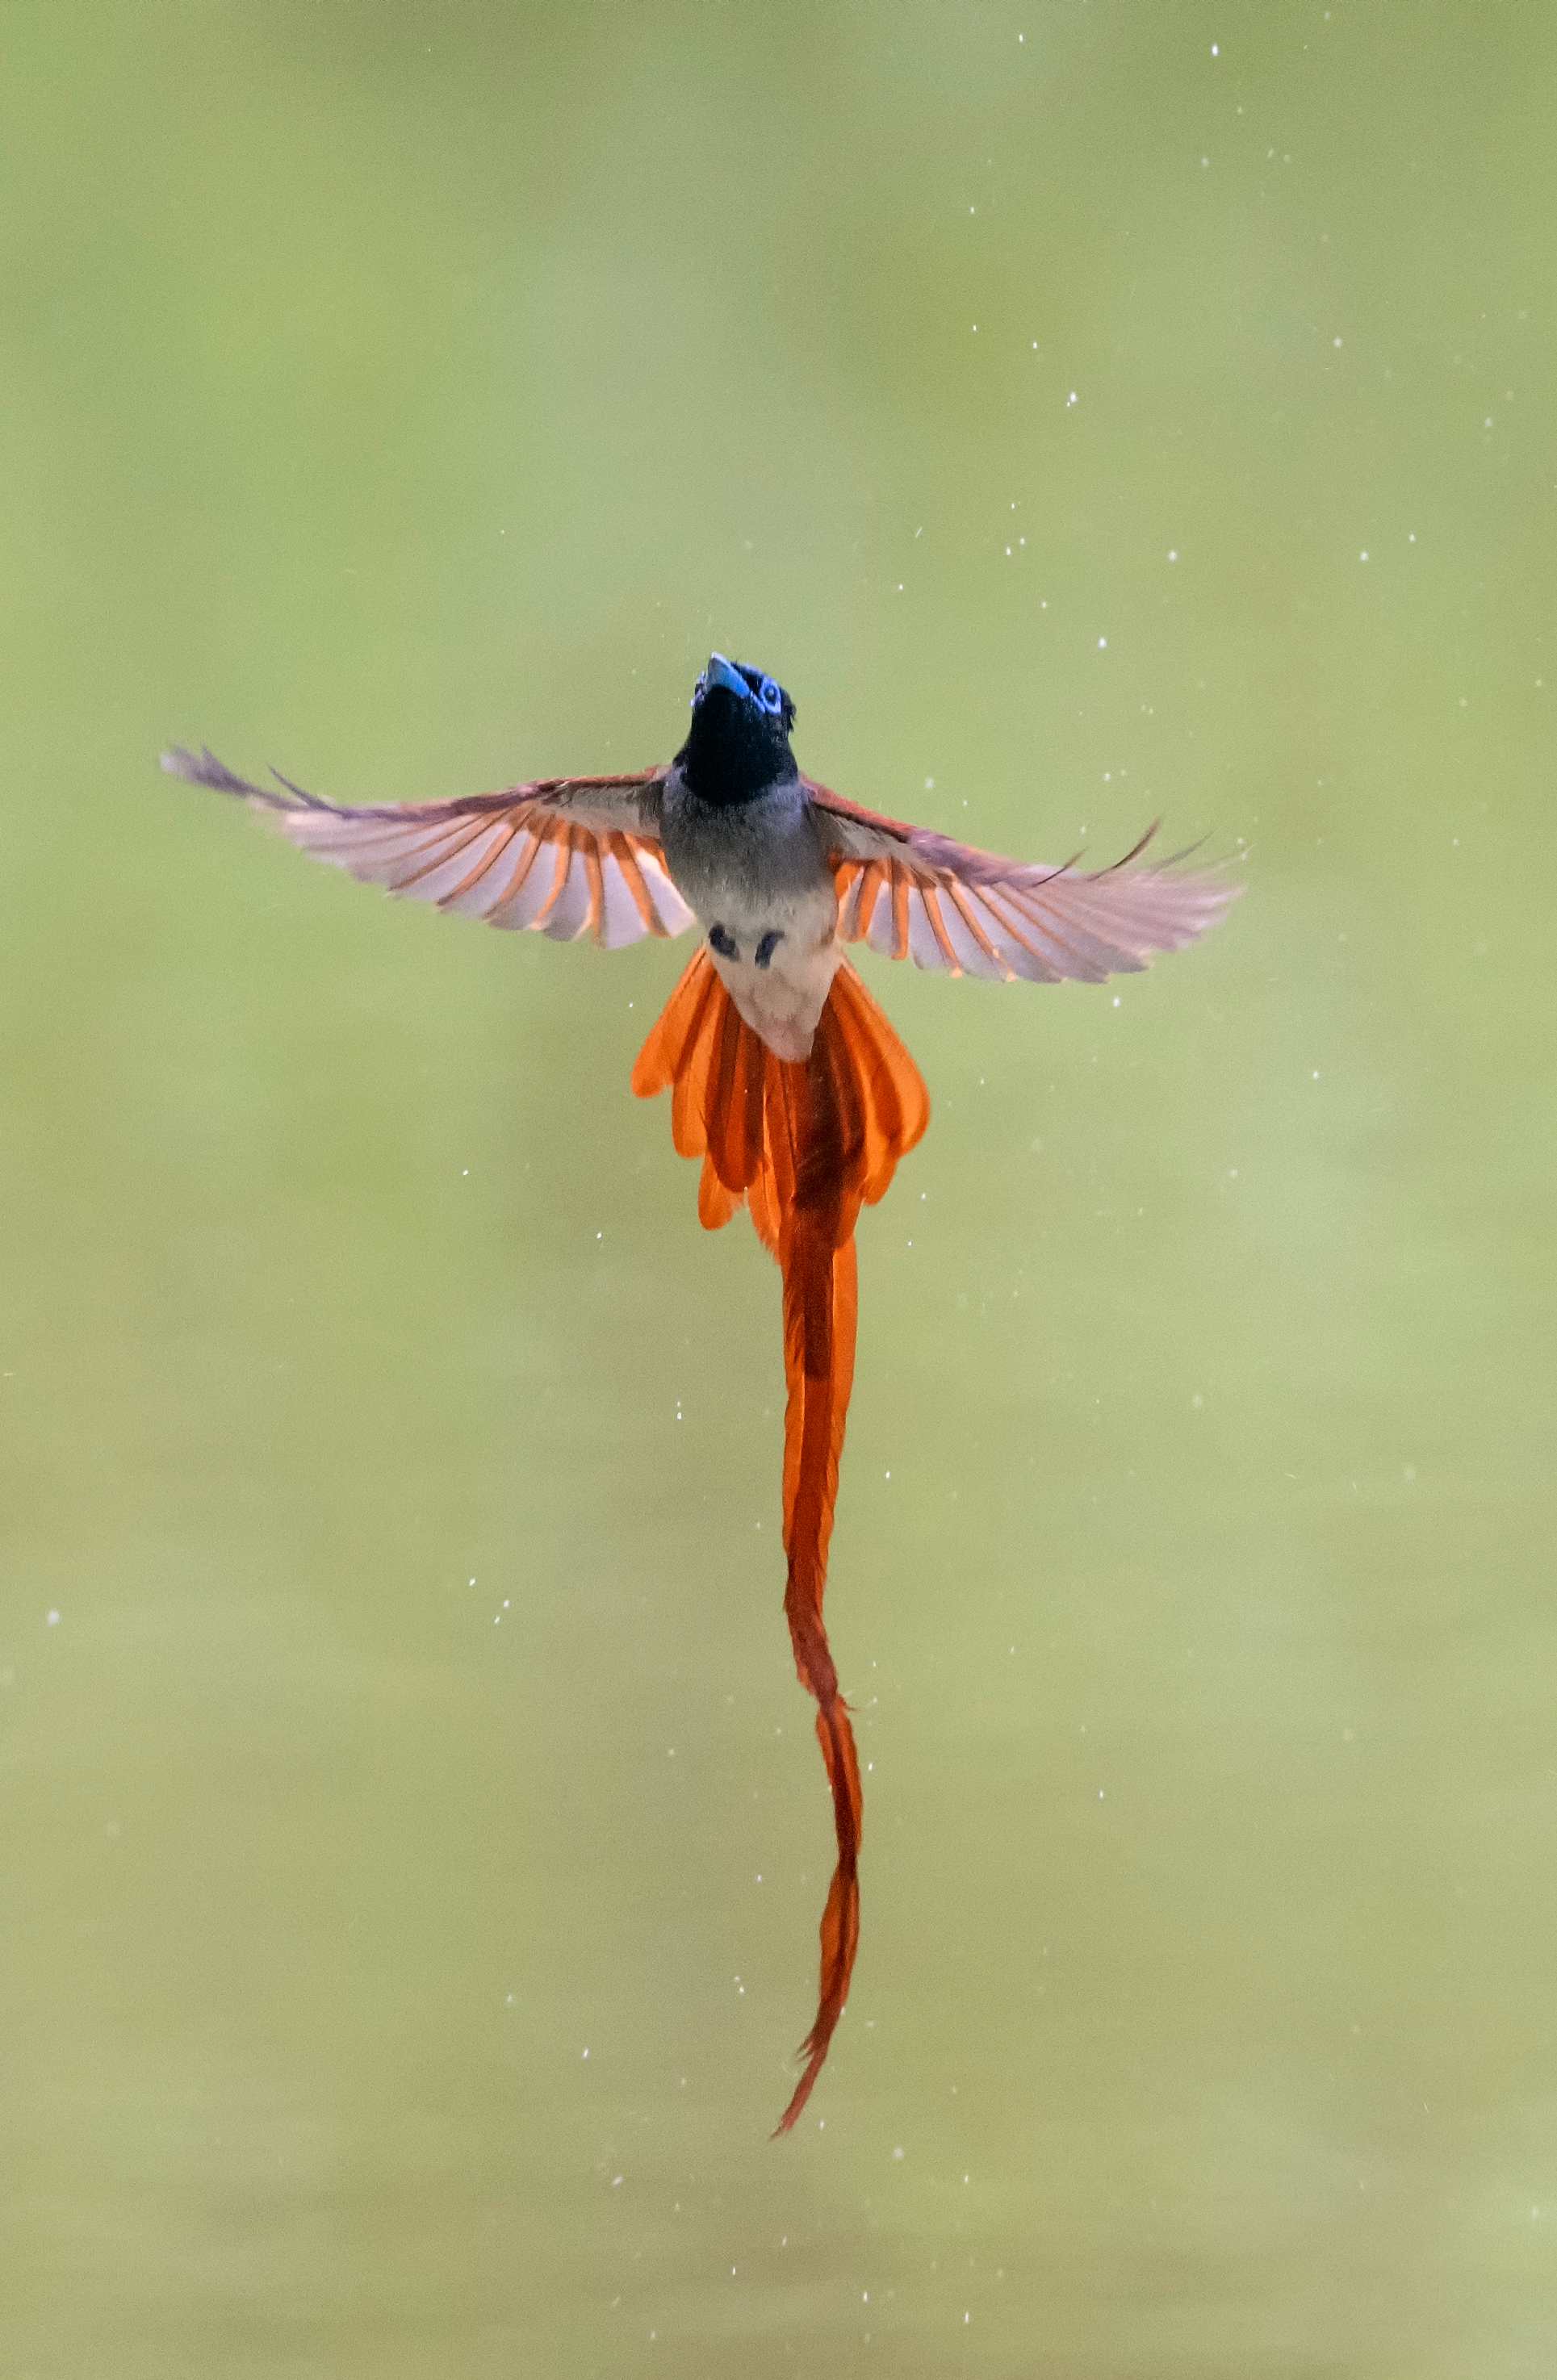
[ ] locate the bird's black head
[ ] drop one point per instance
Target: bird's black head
(738, 742)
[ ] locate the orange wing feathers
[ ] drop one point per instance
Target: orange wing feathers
(912, 893)
(804, 1144)
(568, 856)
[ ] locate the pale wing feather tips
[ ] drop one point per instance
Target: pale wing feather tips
(566, 856)
(913, 894)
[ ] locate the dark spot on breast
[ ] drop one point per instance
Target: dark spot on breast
(767, 946)
(725, 944)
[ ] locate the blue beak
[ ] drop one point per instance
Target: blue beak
(723, 672)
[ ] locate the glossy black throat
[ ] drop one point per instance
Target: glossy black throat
(733, 752)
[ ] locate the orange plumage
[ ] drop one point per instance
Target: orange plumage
(804, 1144)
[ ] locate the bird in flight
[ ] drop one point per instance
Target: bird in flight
(785, 1077)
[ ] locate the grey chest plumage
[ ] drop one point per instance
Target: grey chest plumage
(750, 869)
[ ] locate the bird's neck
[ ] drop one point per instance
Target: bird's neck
(723, 792)
(729, 769)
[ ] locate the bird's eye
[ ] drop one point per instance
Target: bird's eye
(699, 691)
(770, 698)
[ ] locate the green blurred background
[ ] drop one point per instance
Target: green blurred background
(413, 1836)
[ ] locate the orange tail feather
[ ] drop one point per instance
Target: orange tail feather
(805, 1145)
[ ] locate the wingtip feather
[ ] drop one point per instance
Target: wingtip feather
(202, 768)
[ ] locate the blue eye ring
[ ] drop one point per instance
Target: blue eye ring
(768, 696)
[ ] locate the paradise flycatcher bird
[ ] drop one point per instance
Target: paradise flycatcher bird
(785, 1077)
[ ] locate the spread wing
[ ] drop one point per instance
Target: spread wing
(912, 893)
(570, 856)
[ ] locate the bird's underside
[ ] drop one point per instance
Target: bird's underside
(583, 856)
(785, 1078)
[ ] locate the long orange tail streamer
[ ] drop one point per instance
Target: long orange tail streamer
(804, 1145)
